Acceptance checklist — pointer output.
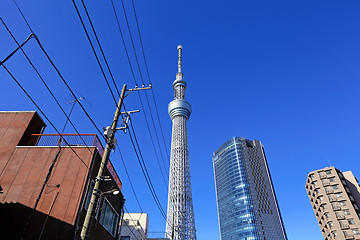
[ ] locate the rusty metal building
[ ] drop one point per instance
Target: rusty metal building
(46, 180)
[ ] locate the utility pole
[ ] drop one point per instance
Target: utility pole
(110, 144)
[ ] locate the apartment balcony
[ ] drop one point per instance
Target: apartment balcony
(336, 208)
(322, 175)
(332, 198)
(325, 182)
(329, 190)
(344, 226)
(350, 237)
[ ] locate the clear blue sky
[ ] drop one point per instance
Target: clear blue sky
(283, 72)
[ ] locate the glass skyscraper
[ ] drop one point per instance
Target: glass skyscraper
(246, 200)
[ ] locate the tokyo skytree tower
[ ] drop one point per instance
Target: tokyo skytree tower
(180, 224)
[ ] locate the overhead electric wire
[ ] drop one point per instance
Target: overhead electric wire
(146, 174)
(108, 67)
(96, 54)
(153, 191)
(142, 80)
(144, 170)
(128, 176)
(148, 74)
(98, 42)
(58, 72)
(129, 225)
(141, 102)
(23, 16)
(43, 81)
(93, 49)
(42, 112)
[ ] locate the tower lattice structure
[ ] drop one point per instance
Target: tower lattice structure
(180, 224)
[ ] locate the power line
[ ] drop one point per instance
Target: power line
(108, 67)
(142, 80)
(141, 102)
(144, 170)
(37, 106)
(128, 176)
(93, 49)
(58, 72)
(43, 81)
(146, 173)
(98, 42)
(23, 16)
(148, 74)
(129, 225)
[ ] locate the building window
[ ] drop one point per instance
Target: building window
(334, 233)
(355, 232)
(328, 172)
(327, 215)
(312, 176)
(335, 187)
(331, 224)
(342, 203)
(338, 195)
(125, 238)
(332, 179)
(108, 218)
(89, 194)
(351, 222)
(315, 183)
(317, 190)
(347, 212)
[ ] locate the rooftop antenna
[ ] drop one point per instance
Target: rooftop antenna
(328, 162)
(72, 107)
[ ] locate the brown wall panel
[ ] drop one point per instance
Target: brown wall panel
(24, 175)
(12, 127)
(67, 169)
(78, 189)
(40, 159)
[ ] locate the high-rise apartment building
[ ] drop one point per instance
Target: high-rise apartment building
(180, 223)
(246, 200)
(335, 198)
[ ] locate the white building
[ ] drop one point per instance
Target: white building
(134, 226)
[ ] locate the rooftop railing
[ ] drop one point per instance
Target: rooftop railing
(73, 140)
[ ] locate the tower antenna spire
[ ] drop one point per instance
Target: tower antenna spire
(179, 48)
(180, 224)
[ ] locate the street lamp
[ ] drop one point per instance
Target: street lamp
(112, 191)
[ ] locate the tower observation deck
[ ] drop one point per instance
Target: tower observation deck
(180, 224)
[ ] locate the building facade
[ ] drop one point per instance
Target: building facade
(335, 198)
(135, 226)
(180, 223)
(247, 205)
(47, 182)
